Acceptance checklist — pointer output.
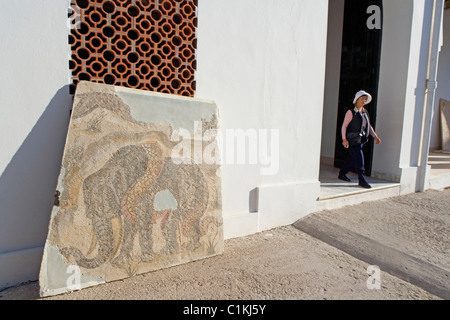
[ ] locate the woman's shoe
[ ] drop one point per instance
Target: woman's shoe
(344, 177)
(364, 184)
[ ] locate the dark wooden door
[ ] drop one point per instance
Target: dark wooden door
(361, 51)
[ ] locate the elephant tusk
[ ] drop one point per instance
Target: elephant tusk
(93, 244)
(117, 228)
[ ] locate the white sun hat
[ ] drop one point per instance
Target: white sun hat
(360, 94)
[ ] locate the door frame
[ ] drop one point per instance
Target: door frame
(349, 70)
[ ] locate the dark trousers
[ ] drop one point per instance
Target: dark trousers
(355, 160)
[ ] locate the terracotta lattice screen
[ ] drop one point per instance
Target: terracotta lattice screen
(142, 44)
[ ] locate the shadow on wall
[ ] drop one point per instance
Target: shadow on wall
(27, 185)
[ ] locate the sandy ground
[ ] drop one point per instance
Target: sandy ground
(286, 263)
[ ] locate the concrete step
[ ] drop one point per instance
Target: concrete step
(356, 195)
(439, 181)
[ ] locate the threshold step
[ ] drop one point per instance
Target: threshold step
(354, 191)
(330, 201)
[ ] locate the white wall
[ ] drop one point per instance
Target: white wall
(443, 87)
(332, 76)
(34, 112)
(263, 62)
(405, 45)
(396, 37)
(415, 83)
(415, 96)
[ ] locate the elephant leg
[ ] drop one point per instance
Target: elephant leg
(170, 233)
(194, 233)
(146, 239)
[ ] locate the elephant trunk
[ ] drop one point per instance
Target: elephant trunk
(105, 242)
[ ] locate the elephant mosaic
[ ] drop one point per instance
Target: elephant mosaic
(120, 201)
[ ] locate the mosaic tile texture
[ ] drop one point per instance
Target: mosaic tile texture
(127, 205)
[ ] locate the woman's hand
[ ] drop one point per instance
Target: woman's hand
(377, 140)
(345, 143)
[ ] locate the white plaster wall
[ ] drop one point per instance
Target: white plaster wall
(405, 44)
(263, 62)
(416, 82)
(415, 95)
(443, 87)
(394, 64)
(332, 77)
(34, 111)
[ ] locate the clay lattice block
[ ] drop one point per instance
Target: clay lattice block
(128, 204)
(142, 44)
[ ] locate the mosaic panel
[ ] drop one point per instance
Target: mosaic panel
(127, 201)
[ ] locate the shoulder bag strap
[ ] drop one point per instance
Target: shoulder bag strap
(368, 124)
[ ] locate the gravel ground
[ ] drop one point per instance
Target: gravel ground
(287, 264)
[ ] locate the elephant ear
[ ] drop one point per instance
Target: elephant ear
(91, 196)
(88, 186)
(87, 196)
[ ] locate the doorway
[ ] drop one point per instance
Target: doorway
(359, 70)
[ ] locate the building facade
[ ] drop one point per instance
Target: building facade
(274, 69)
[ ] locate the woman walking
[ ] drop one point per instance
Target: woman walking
(355, 133)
